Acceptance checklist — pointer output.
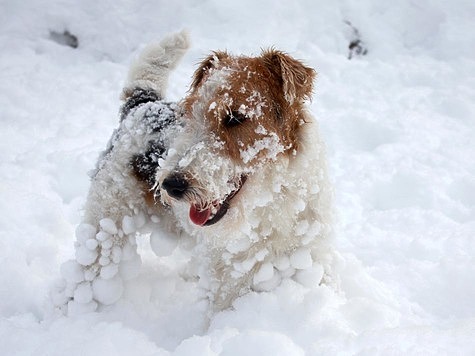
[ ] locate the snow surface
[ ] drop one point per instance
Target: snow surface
(399, 125)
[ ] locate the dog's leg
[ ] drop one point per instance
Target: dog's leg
(116, 205)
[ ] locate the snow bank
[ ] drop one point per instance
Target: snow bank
(399, 127)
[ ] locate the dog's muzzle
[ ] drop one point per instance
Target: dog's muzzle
(177, 188)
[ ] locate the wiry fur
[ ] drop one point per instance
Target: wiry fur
(240, 155)
(283, 209)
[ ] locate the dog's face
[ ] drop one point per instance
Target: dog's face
(242, 113)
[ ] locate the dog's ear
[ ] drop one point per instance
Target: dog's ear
(296, 79)
(209, 62)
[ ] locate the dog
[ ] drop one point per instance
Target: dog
(237, 167)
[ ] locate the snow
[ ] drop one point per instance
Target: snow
(399, 127)
(108, 289)
(265, 273)
(108, 225)
(163, 243)
(301, 258)
(85, 256)
(269, 144)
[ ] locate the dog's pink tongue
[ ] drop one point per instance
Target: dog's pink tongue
(199, 217)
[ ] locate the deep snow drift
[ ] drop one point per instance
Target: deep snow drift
(399, 127)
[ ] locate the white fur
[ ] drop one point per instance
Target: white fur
(284, 206)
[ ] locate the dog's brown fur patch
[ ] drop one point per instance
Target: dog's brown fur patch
(262, 95)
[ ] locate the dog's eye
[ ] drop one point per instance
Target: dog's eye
(234, 118)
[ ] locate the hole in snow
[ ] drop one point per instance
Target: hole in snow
(64, 39)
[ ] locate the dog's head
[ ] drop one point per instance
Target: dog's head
(242, 113)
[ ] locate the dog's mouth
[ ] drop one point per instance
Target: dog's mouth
(212, 214)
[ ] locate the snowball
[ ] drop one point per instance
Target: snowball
(84, 232)
(104, 260)
(163, 243)
(75, 308)
(91, 244)
(299, 205)
(301, 258)
(109, 271)
(131, 268)
(128, 225)
(268, 285)
(85, 256)
(245, 266)
(89, 275)
(260, 255)
(72, 271)
(282, 263)
(103, 236)
(116, 254)
(301, 227)
(310, 277)
(83, 293)
(107, 291)
(107, 244)
(108, 225)
(265, 273)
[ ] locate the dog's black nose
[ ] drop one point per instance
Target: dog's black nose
(175, 185)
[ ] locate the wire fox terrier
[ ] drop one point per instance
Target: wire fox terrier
(237, 167)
